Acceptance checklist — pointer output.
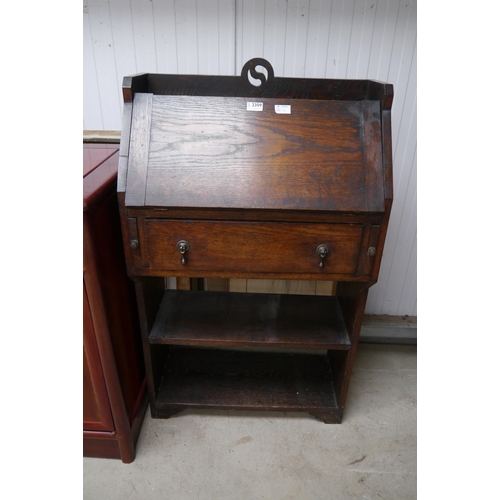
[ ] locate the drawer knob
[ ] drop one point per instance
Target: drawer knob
(322, 251)
(134, 244)
(183, 247)
(372, 251)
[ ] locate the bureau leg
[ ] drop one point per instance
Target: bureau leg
(164, 412)
(328, 417)
(352, 298)
(149, 293)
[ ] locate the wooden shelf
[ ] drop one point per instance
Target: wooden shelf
(249, 320)
(215, 378)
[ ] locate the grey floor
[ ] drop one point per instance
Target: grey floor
(247, 455)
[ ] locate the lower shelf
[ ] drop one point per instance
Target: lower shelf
(249, 320)
(242, 380)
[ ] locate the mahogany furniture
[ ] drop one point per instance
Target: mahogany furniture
(287, 179)
(114, 385)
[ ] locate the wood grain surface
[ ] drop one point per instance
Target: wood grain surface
(249, 320)
(212, 152)
(246, 380)
(251, 246)
(254, 193)
(138, 150)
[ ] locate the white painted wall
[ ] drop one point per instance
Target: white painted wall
(374, 39)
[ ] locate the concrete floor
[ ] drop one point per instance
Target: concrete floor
(224, 455)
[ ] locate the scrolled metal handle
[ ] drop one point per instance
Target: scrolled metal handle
(322, 251)
(183, 247)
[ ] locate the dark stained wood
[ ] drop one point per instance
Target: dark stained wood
(254, 193)
(377, 260)
(138, 150)
(373, 155)
(387, 156)
(249, 320)
(196, 378)
(251, 247)
(230, 86)
(189, 273)
(383, 92)
(328, 417)
(115, 371)
(352, 299)
(227, 157)
(134, 84)
(149, 295)
(255, 215)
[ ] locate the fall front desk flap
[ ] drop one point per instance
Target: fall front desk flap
(233, 152)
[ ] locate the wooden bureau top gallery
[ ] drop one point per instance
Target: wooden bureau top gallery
(255, 176)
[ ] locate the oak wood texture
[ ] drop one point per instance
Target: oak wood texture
(253, 193)
(137, 169)
(251, 320)
(252, 247)
(114, 398)
(227, 157)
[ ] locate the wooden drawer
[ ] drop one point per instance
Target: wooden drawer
(252, 247)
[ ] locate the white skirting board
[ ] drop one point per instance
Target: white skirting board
(389, 330)
(102, 136)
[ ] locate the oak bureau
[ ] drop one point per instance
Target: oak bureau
(253, 176)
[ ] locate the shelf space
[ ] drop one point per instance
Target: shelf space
(249, 320)
(217, 378)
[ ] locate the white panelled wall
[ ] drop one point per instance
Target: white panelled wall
(372, 39)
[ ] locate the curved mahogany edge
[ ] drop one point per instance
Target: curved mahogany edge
(105, 446)
(99, 444)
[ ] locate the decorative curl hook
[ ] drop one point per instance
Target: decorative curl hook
(251, 65)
